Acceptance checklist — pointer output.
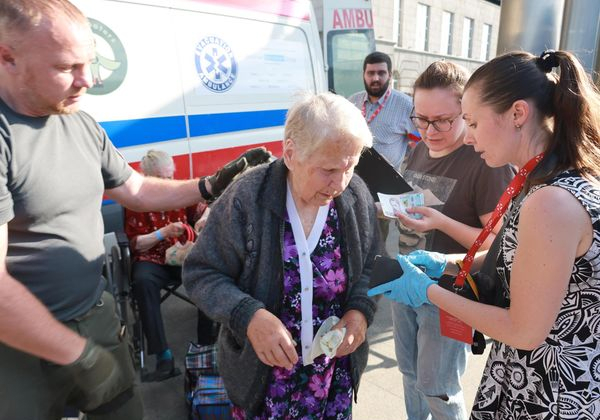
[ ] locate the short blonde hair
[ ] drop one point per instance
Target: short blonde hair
(21, 16)
(155, 160)
(317, 118)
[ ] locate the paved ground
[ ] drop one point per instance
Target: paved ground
(380, 396)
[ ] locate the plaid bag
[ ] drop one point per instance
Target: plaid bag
(212, 412)
(210, 391)
(210, 401)
(199, 360)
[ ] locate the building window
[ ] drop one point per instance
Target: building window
(447, 29)
(486, 42)
(422, 27)
(467, 38)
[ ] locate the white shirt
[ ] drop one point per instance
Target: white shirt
(305, 247)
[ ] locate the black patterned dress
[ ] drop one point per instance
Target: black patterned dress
(560, 379)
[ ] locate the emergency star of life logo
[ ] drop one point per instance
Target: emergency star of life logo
(215, 64)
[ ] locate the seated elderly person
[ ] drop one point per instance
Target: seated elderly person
(150, 235)
(286, 247)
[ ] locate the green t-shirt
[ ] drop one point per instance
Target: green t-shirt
(53, 173)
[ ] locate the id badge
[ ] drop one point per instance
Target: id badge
(454, 328)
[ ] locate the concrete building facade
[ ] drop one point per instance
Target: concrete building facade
(417, 32)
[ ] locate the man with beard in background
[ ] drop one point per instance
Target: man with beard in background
(387, 112)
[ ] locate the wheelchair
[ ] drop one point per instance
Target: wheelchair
(117, 271)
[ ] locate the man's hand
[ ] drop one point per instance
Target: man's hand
(256, 156)
(356, 332)
(96, 374)
(271, 341)
(223, 177)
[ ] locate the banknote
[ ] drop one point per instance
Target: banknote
(392, 204)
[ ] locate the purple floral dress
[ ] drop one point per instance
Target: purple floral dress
(323, 390)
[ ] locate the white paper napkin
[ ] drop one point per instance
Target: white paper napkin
(326, 340)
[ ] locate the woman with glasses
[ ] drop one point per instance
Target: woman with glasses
(461, 192)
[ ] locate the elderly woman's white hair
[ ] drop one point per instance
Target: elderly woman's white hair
(155, 160)
(316, 118)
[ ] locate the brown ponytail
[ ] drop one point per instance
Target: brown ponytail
(576, 135)
(568, 98)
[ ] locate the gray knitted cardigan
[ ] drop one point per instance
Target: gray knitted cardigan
(236, 268)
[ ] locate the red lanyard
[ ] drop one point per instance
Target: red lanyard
(379, 108)
(513, 189)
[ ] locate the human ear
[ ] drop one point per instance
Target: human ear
(520, 113)
(7, 57)
(288, 152)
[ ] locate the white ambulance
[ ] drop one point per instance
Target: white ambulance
(205, 80)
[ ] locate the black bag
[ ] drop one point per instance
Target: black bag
(490, 292)
(490, 288)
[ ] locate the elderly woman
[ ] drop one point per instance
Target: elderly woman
(287, 246)
(151, 234)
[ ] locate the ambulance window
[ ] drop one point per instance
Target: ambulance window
(346, 51)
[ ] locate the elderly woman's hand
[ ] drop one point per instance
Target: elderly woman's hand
(356, 331)
(202, 221)
(271, 341)
(173, 230)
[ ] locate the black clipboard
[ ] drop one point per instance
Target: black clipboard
(380, 175)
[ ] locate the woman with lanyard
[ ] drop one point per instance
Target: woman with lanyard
(545, 362)
(465, 192)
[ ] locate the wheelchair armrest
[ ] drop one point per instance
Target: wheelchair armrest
(126, 256)
(122, 239)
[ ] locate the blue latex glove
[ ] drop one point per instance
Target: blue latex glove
(434, 262)
(410, 288)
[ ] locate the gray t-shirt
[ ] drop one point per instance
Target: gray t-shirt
(53, 173)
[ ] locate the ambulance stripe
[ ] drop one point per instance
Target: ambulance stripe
(145, 130)
(202, 125)
(127, 133)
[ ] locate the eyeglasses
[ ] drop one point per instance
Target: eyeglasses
(441, 125)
